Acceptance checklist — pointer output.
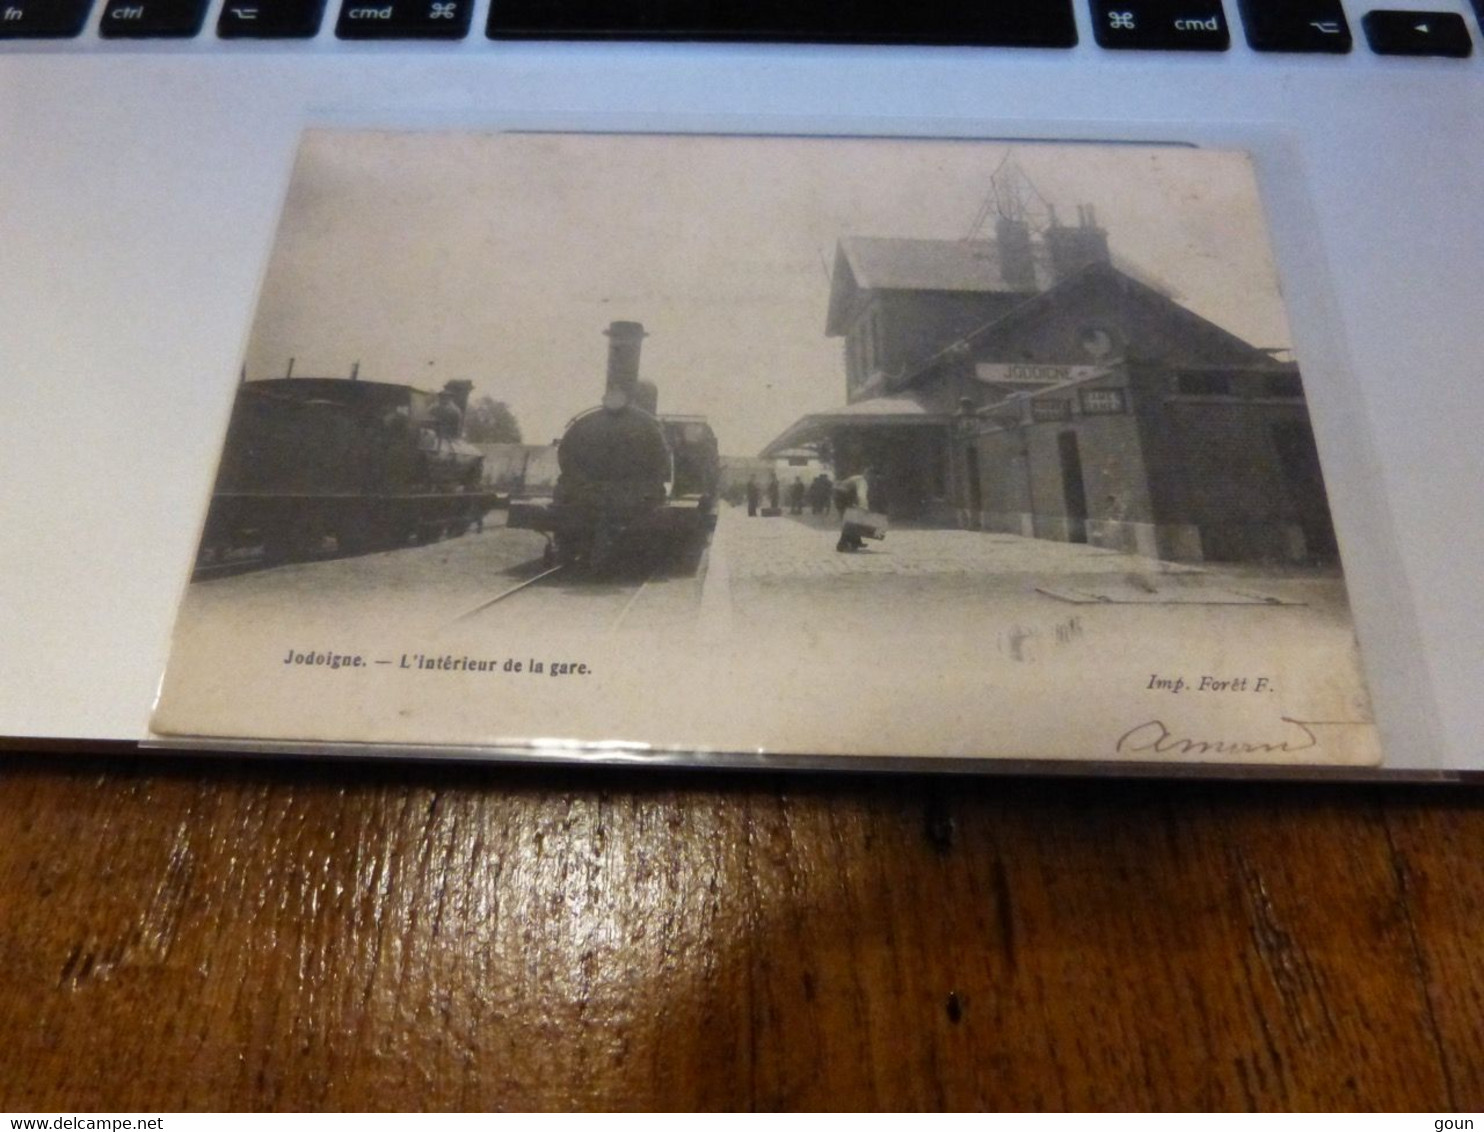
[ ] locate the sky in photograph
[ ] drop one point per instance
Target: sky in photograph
(501, 259)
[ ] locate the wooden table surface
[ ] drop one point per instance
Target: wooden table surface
(192, 933)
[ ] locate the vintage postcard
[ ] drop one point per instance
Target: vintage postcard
(796, 447)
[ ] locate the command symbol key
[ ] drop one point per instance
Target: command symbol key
(404, 19)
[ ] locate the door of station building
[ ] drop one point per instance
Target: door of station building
(1298, 460)
(1074, 490)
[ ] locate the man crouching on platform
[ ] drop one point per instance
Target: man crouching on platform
(857, 498)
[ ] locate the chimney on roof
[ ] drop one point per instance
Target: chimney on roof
(1017, 267)
(1072, 249)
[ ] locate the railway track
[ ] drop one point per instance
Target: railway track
(631, 600)
(503, 594)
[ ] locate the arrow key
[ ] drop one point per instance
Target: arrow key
(1417, 33)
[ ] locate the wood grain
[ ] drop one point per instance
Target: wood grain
(185, 934)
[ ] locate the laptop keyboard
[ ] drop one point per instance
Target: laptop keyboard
(1303, 26)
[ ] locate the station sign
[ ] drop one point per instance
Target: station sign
(1102, 401)
(1051, 409)
(1033, 373)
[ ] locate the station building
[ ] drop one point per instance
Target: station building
(1041, 387)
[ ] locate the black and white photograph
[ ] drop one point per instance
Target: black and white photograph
(628, 446)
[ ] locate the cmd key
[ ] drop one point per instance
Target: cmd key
(1160, 25)
(404, 19)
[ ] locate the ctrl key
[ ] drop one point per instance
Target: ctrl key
(42, 19)
(150, 19)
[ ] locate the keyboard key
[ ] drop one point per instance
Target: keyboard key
(1417, 33)
(1296, 25)
(151, 19)
(270, 19)
(404, 19)
(42, 19)
(975, 23)
(1161, 25)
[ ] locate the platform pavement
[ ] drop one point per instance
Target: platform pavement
(748, 548)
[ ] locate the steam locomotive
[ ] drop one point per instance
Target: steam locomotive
(630, 479)
(366, 464)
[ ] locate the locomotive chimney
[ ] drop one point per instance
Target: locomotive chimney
(624, 340)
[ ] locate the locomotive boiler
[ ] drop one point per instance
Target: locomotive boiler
(312, 464)
(631, 480)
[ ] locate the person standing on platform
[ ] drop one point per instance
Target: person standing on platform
(773, 492)
(754, 496)
(796, 497)
(820, 491)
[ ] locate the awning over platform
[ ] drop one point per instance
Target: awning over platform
(895, 412)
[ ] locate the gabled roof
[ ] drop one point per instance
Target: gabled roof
(892, 263)
(1096, 275)
(896, 263)
(899, 264)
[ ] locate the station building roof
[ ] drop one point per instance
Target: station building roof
(909, 408)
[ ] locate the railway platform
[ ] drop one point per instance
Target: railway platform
(803, 546)
(784, 572)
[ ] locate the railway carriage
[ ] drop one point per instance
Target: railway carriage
(366, 464)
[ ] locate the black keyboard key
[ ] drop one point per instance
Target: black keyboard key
(1296, 25)
(404, 19)
(42, 19)
(151, 19)
(1417, 33)
(973, 23)
(1161, 25)
(269, 19)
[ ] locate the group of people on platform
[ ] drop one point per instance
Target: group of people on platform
(859, 492)
(816, 495)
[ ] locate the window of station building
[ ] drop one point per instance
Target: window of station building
(798, 461)
(1205, 384)
(855, 362)
(1283, 385)
(871, 334)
